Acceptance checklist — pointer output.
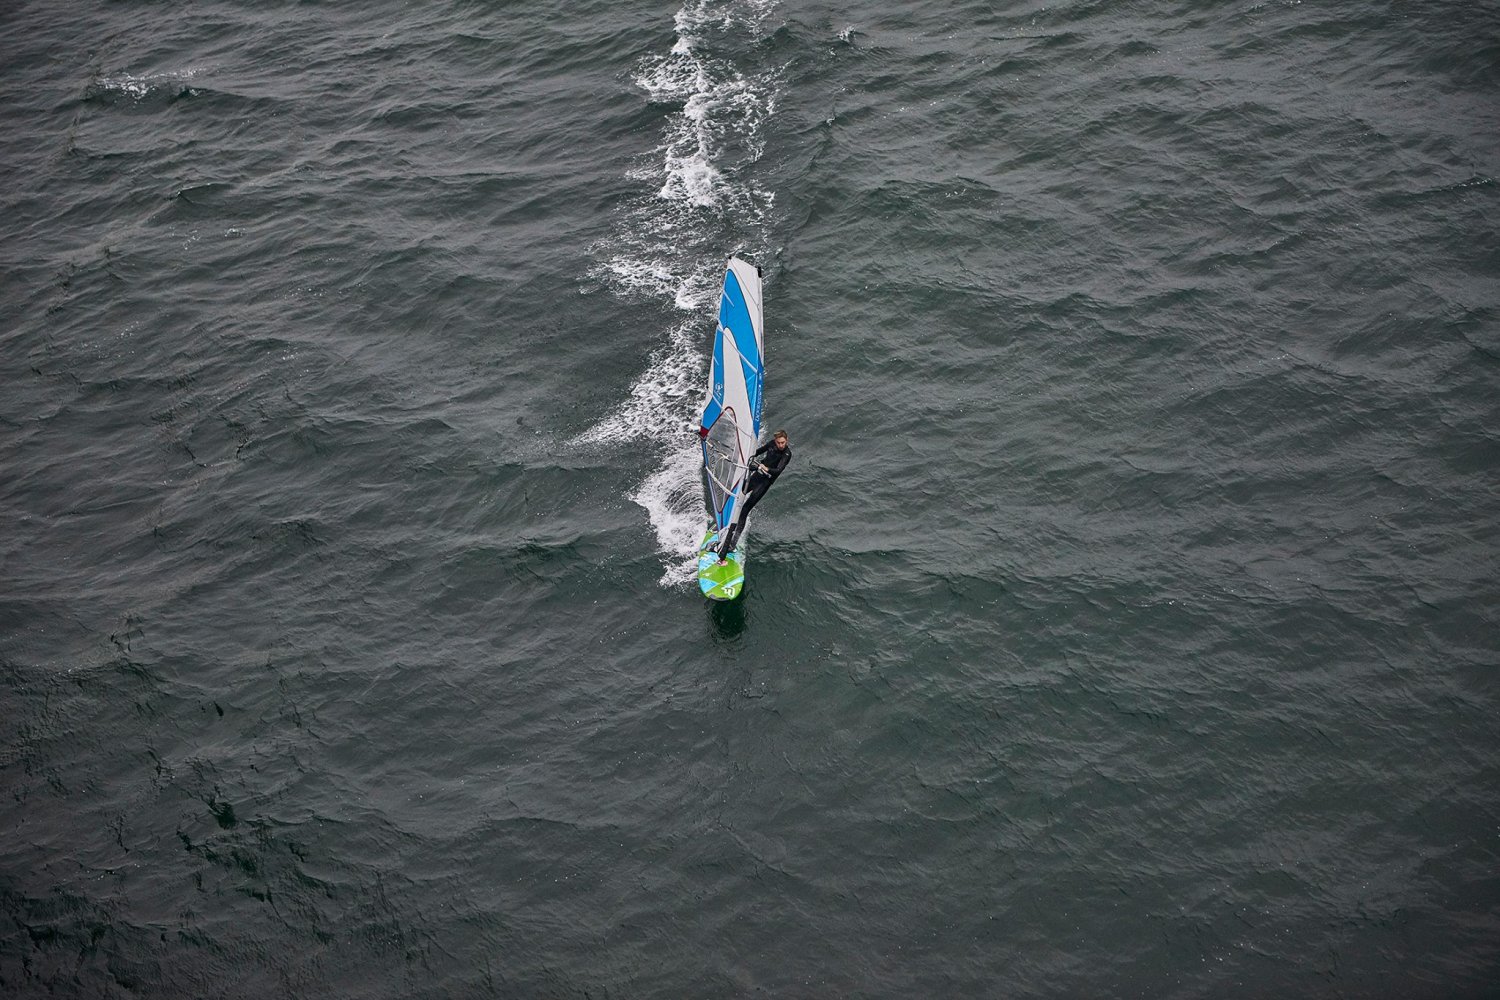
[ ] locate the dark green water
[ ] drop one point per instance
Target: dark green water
(1125, 626)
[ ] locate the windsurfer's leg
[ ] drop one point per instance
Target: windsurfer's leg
(732, 536)
(753, 499)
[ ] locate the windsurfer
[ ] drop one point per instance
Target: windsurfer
(766, 465)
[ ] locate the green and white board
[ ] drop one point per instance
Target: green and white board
(720, 583)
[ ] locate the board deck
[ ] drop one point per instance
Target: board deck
(721, 583)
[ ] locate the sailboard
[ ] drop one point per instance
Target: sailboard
(730, 426)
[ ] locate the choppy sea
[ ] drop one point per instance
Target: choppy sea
(1125, 625)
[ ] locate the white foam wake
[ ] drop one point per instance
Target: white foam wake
(670, 247)
(673, 499)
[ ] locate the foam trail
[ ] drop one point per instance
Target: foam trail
(666, 249)
(673, 499)
(663, 401)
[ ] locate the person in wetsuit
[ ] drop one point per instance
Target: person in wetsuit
(768, 462)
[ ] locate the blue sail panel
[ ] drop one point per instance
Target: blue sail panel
(715, 403)
(734, 314)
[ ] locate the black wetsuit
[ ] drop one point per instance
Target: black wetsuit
(775, 461)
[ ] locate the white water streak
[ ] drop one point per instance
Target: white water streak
(666, 250)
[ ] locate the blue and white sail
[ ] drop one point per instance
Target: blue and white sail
(731, 416)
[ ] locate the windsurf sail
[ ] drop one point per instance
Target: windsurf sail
(731, 415)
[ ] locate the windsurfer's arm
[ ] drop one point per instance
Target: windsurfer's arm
(776, 461)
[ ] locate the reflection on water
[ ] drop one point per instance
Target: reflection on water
(726, 619)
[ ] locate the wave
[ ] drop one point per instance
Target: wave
(161, 88)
